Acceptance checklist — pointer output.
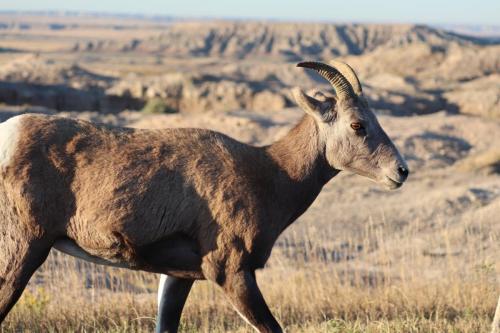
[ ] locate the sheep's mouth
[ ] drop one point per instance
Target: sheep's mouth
(391, 183)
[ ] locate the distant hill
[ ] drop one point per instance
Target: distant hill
(109, 64)
(288, 40)
(477, 30)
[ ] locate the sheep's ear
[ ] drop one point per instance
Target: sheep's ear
(320, 110)
(307, 103)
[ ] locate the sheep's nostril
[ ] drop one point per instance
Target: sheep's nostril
(403, 172)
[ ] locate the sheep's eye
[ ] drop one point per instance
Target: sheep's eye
(357, 126)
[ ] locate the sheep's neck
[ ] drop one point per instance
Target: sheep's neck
(302, 168)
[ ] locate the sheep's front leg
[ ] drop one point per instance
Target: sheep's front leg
(244, 294)
(172, 295)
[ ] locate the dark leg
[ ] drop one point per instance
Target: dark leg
(244, 294)
(172, 295)
(19, 258)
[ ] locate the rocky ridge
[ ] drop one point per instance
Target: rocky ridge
(405, 69)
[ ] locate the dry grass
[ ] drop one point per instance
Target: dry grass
(314, 302)
(391, 283)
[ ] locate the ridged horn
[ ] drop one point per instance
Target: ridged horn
(343, 88)
(349, 74)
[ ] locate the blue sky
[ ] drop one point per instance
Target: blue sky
(416, 11)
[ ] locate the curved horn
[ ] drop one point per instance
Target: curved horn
(342, 87)
(349, 74)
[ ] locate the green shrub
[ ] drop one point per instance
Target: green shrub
(157, 106)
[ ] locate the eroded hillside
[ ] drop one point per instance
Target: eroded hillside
(223, 66)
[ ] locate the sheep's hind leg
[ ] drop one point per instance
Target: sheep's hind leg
(19, 258)
(172, 295)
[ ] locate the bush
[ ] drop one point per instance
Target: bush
(157, 106)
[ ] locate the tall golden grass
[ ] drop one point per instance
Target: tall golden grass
(439, 276)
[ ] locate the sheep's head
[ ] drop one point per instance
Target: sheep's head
(349, 132)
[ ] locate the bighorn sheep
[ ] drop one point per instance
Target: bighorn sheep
(189, 203)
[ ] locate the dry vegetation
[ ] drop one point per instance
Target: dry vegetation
(425, 258)
(313, 295)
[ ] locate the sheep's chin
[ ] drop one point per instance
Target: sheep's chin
(390, 183)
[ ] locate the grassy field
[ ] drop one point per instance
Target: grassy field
(385, 283)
